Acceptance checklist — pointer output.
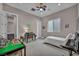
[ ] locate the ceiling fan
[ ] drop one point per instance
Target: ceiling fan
(40, 7)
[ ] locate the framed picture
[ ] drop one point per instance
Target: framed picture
(43, 27)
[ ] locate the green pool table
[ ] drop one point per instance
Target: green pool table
(10, 48)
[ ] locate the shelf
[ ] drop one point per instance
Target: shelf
(10, 22)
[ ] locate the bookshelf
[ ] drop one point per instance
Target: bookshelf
(8, 24)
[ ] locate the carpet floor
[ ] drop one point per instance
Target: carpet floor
(38, 48)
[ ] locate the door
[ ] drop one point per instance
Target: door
(39, 24)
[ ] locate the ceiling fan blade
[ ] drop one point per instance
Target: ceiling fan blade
(33, 9)
(44, 6)
(37, 7)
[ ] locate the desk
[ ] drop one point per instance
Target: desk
(10, 48)
(29, 35)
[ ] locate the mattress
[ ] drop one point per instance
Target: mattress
(55, 40)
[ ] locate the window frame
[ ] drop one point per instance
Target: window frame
(53, 26)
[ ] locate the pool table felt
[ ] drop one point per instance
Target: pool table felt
(10, 47)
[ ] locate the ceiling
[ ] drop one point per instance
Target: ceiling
(51, 7)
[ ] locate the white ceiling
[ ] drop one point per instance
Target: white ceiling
(51, 8)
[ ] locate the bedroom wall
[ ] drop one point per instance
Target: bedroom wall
(68, 16)
(78, 19)
(24, 18)
(0, 6)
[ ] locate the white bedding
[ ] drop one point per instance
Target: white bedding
(57, 41)
(56, 38)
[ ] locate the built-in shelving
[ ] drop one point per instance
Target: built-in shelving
(7, 23)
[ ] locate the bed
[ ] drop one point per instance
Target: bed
(58, 41)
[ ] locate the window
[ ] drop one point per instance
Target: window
(54, 25)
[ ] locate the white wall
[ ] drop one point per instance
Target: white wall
(39, 28)
(23, 18)
(1, 7)
(68, 16)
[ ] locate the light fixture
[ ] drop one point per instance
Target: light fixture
(59, 4)
(39, 7)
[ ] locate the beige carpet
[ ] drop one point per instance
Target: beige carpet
(38, 48)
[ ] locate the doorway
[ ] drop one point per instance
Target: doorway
(39, 28)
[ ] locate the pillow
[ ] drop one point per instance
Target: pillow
(73, 41)
(70, 43)
(76, 35)
(73, 36)
(76, 41)
(69, 36)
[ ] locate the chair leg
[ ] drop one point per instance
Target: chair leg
(25, 51)
(27, 40)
